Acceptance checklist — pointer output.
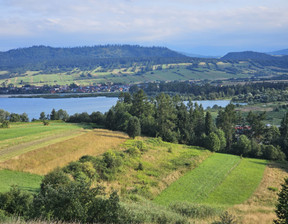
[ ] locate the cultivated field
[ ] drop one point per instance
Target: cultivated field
(45, 159)
(25, 137)
(169, 173)
(138, 73)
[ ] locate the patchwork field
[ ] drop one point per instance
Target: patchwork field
(25, 137)
(58, 154)
(139, 73)
(153, 175)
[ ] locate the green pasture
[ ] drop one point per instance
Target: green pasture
(204, 70)
(25, 181)
(239, 184)
(219, 180)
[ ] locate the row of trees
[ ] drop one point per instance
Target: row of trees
(250, 92)
(13, 117)
(172, 120)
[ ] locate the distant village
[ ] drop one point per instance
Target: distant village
(72, 88)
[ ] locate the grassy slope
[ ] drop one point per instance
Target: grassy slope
(45, 159)
(24, 181)
(24, 137)
(259, 208)
(163, 163)
(218, 180)
(239, 184)
(126, 75)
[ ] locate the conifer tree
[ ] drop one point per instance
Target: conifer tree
(282, 206)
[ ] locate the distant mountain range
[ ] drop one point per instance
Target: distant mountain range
(280, 52)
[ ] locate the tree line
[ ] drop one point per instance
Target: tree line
(250, 92)
(174, 121)
(186, 123)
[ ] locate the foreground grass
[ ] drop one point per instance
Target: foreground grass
(45, 159)
(240, 184)
(25, 181)
(221, 180)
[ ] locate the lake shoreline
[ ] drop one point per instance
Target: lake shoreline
(60, 95)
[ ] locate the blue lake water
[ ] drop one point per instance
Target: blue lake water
(34, 106)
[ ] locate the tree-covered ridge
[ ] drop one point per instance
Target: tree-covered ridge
(49, 55)
(261, 58)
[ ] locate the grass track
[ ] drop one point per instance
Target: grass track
(24, 181)
(24, 137)
(221, 180)
(197, 184)
(240, 184)
(44, 159)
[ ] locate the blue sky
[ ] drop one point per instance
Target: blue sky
(208, 27)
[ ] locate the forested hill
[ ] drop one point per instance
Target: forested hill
(62, 56)
(247, 55)
(280, 52)
(260, 58)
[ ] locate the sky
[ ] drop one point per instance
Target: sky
(206, 27)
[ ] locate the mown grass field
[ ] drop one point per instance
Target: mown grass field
(58, 154)
(221, 179)
(24, 137)
(25, 181)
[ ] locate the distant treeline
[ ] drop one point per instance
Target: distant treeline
(86, 58)
(249, 92)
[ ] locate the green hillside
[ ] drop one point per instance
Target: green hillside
(221, 180)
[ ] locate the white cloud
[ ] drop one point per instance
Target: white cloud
(141, 20)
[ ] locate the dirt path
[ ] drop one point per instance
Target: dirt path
(4, 153)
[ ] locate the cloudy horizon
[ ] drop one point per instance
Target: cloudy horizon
(207, 27)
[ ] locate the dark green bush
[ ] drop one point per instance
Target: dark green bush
(15, 202)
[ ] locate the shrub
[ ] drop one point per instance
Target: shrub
(147, 212)
(140, 166)
(15, 202)
(133, 151)
(194, 210)
(54, 179)
(226, 218)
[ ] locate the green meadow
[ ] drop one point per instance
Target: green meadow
(25, 181)
(221, 180)
(135, 74)
(23, 137)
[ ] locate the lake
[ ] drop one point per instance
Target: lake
(34, 106)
